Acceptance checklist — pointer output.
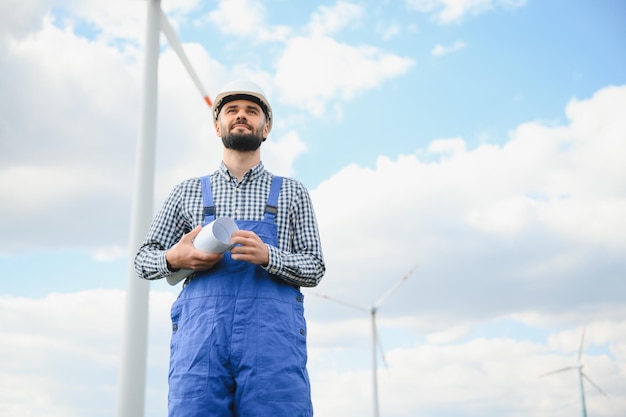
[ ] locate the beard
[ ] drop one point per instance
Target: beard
(244, 142)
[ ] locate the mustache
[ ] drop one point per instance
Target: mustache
(241, 121)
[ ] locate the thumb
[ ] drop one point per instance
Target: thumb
(192, 234)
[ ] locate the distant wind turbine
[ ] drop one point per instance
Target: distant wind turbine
(376, 344)
(581, 375)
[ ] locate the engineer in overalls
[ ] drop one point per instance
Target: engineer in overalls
(238, 345)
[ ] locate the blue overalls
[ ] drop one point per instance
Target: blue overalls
(238, 346)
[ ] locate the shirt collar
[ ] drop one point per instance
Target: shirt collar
(253, 173)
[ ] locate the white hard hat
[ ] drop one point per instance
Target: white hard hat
(242, 90)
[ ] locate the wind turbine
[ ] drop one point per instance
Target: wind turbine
(132, 381)
(581, 375)
(376, 344)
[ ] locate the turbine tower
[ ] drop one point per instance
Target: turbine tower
(376, 344)
(581, 376)
(132, 381)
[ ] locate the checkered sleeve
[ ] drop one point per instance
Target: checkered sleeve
(180, 213)
(298, 259)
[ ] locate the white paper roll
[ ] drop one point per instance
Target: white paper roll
(213, 238)
(178, 276)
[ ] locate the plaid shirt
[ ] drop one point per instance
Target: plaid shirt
(297, 259)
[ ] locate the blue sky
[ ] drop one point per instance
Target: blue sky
(482, 140)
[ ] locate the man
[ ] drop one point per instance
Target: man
(238, 344)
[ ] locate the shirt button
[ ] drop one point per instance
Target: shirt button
(237, 211)
(175, 327)
(302, 332)
(299, 298)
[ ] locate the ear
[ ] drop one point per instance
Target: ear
(266, 130)
(217, 129)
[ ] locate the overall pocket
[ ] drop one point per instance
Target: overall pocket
(192, 321)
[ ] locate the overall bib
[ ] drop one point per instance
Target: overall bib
(238, 346)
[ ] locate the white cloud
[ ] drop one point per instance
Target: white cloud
(248, 19)
(313, 71)
(523, 219)
(450, 11)
(446, 146)
(388, 31)
(448, 335)
(506, 217)
(440, 50)
(57, 345)
(331, 19)
(110, 253)
(67, 126)
(279, 152)
(550, 173)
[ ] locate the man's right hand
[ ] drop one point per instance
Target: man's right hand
(184, 254)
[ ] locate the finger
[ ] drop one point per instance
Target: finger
(192, 234)
(205, 262)
(188, 238)
(240, 241)
(240, 250)
(243, 233)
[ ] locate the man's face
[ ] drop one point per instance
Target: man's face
(242, 125)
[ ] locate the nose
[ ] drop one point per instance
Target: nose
(241, 114)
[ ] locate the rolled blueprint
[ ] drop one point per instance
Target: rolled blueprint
(213, 238)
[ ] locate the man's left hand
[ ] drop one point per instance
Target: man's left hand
(249, 247)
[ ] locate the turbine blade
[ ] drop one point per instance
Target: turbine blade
(174, 42)
(594, 384)
(582, 341)
(395, 287)
(560, 370)
(345, 303)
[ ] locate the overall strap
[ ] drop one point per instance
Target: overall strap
(207, 200)
(271, 207)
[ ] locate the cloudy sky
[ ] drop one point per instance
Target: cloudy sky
(482, 140)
